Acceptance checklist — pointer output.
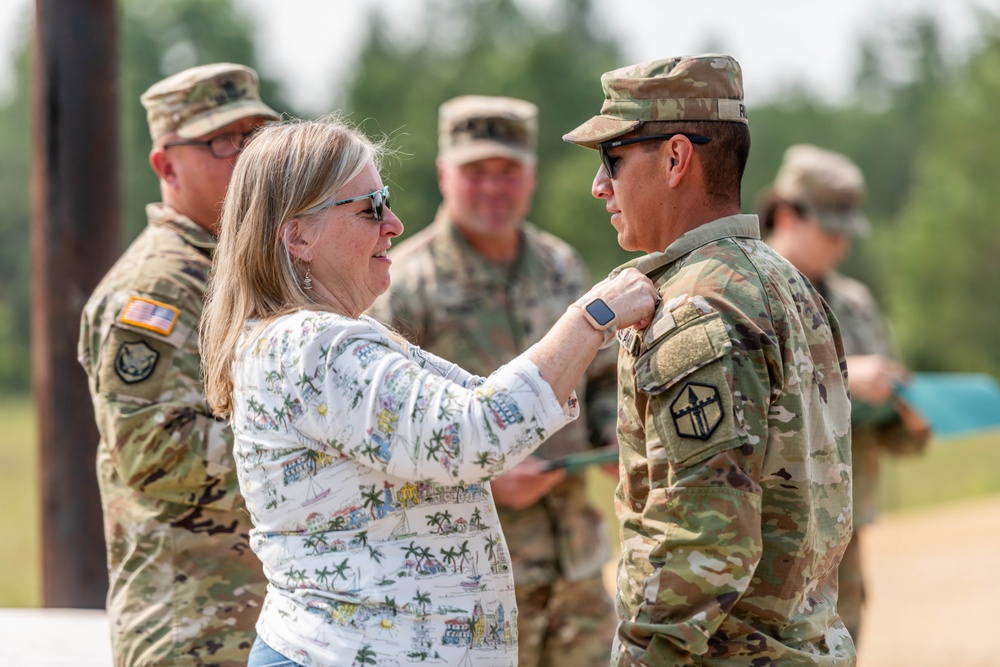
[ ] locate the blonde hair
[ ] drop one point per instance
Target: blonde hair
(286, 169)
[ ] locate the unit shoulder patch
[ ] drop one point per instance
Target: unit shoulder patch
(135, 361)
(697, 411)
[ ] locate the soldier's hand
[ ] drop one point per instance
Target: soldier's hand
(874, 378)
(912, 420)
(525, 485)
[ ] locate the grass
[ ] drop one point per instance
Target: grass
(950, 471)
(20, 561)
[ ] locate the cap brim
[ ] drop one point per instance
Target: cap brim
(484, 150)
(599, 129)
(853, 222)
(219, 117)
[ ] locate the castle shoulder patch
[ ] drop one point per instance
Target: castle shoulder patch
(135, 361)
(697, 410)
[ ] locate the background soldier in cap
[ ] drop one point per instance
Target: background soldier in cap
(185, 589)
(810, 215)
(734, 420)
(479, 286)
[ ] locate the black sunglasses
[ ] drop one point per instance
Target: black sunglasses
(609, 160)
(380, 202)
(223, 146)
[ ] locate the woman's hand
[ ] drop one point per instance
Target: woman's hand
(563, 354)
(631, 295)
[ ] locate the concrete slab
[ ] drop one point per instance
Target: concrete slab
(54, 638)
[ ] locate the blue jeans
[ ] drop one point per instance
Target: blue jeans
(262, 655)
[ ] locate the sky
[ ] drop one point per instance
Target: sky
(307, 45)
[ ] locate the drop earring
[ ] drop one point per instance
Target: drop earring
(307, 282)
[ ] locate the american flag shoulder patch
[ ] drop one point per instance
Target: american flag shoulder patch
(149, 314)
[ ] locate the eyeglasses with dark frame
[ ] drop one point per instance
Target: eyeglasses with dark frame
(380, 202)
(221, 147)
(609, 160)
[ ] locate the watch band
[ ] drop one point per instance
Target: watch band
(599, 315)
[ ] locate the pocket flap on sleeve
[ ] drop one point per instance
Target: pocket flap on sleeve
(681, 352)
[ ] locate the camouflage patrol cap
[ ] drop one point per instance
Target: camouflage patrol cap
(203, 99)
(476, 127)
(828, 184)
(686, 88)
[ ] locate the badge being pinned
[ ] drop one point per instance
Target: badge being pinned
(697, 411)
(149, 314)
(135, 361)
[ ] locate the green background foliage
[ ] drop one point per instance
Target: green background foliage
(924, 140)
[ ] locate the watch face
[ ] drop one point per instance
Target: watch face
(600, 312)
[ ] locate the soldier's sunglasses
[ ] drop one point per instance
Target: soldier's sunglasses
(380, 202)
(223, 146)
(609, 161)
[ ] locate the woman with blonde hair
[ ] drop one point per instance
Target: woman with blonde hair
(364, 460)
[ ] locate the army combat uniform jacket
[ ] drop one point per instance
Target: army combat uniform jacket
(874, 431)
(734, 502)
(451, 302)
(185, 588)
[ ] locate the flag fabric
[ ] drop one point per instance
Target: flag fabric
(149, 314)
(954, 403)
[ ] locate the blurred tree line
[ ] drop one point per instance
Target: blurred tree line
(924, 141)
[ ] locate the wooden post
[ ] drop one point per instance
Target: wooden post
(74, 239)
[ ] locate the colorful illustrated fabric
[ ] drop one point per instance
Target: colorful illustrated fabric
(365, 462)
(451, 302)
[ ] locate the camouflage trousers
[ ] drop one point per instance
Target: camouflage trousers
(851, 595)
(565, 624)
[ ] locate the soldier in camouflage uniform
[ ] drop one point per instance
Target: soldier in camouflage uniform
(479, 286)
(734, 420)
(185, 588)
(810, 216)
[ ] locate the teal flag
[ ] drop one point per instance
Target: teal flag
(954, 403)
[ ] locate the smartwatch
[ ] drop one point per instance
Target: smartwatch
(600, 316)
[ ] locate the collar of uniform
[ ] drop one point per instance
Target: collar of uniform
(474, 268)
(739, 226)
(193, 233)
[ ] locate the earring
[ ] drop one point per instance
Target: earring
(307, 282)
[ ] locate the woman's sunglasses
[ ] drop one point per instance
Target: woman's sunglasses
(380, 202)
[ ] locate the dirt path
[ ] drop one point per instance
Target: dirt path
(933, 588)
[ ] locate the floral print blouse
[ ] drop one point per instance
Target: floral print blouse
(364, 462)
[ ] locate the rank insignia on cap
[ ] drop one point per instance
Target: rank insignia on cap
(135, 361)
(149, 314)
(697, 411)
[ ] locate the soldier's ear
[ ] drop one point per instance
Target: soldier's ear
(440, 175)
(161, 163)
(677, 155)
(785, 217)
